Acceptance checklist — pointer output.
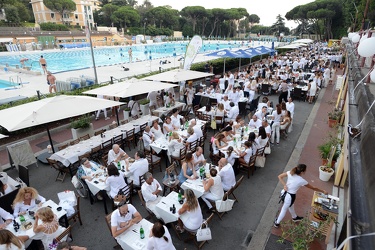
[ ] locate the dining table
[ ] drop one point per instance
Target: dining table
(165, 110)
(163, 208)
(70, 155)
(130, 239)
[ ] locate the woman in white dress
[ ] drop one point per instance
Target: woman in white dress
(115, 180)
(189, 94)
(27, 198)
(156, 130)
(190, 213)
(174, 145)
(9, 241)
(167, 126)
(312, 89)
(159, 238)
(277, 117)
(253, 88)
(49, 228)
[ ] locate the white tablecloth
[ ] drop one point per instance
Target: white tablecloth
(97, 183)
(130, 239)
(70, 154)
(195, 185)
(163, 208)
(164, 110)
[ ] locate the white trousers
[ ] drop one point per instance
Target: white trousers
(275, 132)
(286, 206)
(98, 113)
(207, 197)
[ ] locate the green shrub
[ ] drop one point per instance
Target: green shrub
(82, 122)
(53, 27)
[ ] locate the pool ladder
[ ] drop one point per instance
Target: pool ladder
(16, 83)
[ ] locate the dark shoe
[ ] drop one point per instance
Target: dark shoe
(297, 219)
(99, 197)
(277, 225)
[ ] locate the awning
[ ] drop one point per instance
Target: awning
(26, 38)
(6, 40)
(178, 75)
(64, 38)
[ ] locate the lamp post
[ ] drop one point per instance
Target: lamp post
(88, 34)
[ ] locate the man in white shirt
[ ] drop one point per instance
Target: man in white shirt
(226, 173)
(148, 137)
(151, 191)
(5, 218)
(226, 103)
(192, 137)
(152, 97)
(197, 128)
(134, 108)
(255, 122)
(138, 168)
(233, 113)
(231, 80)
(221, 83)
(261, 113)
(116, 154)
(125, 216)
(267, 127)
(176, 119)
(290, 106)
(198, 158)
(327, 76)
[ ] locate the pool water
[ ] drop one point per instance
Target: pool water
(5, 84)
(74, 59)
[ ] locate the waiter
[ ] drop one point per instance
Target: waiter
(283, 89)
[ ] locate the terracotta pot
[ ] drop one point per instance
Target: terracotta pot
(332, 123)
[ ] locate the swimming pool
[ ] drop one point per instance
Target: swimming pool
(74, 59)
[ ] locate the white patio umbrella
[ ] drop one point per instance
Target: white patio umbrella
(3, 136)
(50, 110)
(178, 75)
(129, 88)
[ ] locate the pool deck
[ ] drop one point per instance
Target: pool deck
(34, 83)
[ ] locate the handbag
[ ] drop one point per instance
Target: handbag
(68, 196)
(204, 234)
(224, 206)
(267, 150)
(260, 161)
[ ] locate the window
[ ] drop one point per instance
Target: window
(88, 8)
(66, 16)
(90, 17)
(76, 15)
(85, 8)
(52, 15)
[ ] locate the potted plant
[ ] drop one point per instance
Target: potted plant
(82, 126)
(303, 233)
(326, 147)
(144, 106)
(333, 117)
(126, 113)
(325, 172)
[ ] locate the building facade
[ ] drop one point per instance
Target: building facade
(84, 9)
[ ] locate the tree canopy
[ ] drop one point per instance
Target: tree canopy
(60, 6)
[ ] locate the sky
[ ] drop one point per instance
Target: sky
(267, 10)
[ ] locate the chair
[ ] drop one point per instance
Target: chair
(172, 186)
(128, 191)
(130, 137)
(242, 108)
(85, 155)
(193, 146)
(195, 108)
(143, 203)
(192, 234)
(225, 197)
(6, 201)
(118, 140)
(96, 153)
(74, 142)
(112, 126)
(23, 174)
(99, 132)
(63, 236)
(235, 187)
(77, 212)
(265, 89)
(254, 104)
(181, 157)
(63, 146)
(152, 108)
(135, 117)
(249, 166)
(108, 222)
(141, 181)
(206, 118)
(85, 137)
(106, 146)
(104, 160)
(154, 161)
(201, 143)
(219, 122)
(62, 170)
(297, 94)
(124, 122)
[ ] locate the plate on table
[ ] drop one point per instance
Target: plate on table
(131, 160)
(26, 225)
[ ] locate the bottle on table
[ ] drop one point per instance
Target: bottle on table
(118, 165)
(142, 233)
(22, 219)
(201, 172)
(173, 209)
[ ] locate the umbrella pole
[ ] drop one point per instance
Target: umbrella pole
(224, 67)
(239, 66)
(118, 121)
(50, 139)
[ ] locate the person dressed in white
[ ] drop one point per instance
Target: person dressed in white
(197, 129)
(189, 94)
(104, 110)
(151, 191)
(159, 238)
(26, 199)
(116, 154)
(5, 218)
(148, 137)
(152, 97)
(134, 108)
(125, 216)
(9, 241)
(176, 119)
(156, 130)
(175, 145)
(198, 158)
(168, 126)
(233, 112)
(222, 83)
(115, 180)
(192, 137)
(293, 184)
(290, 106)
(213, 189)
(138, 168)
(231, 155)
(253, 88)
(255, 122)
(190, 213)
(262, 138)
(261, 113)
(327, 76)
(277, 117)
(226, 172)
(226, 103)
(312, 90)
